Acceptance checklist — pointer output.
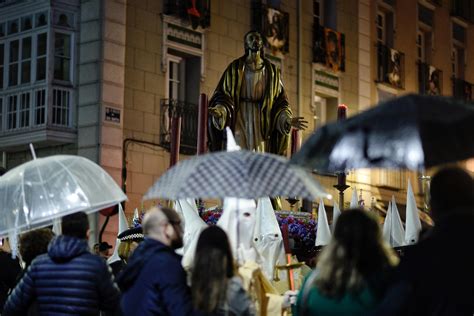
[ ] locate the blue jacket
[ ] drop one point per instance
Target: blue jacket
(68, 280)
(154, 282)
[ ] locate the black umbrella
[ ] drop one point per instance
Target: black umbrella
(411, 131)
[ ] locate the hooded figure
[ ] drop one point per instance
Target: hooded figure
(267, 238)
(238, 220)
(193, 226)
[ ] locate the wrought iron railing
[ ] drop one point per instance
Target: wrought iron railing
(430, 79)
(390, 66)
(462, 89)
(189, 121)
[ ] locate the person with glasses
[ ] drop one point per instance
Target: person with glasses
(154, 282)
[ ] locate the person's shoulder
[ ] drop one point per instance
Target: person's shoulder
(167, 256)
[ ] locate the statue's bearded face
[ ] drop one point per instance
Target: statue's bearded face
(254, 42)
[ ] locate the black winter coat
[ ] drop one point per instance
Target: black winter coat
(9, 269)
(68, 280)
(436, 276)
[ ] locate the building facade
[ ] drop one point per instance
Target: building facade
(100, 78)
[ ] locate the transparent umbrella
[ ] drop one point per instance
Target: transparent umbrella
(36, 192)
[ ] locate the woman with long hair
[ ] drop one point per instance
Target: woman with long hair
(352, 272)
(216, 290)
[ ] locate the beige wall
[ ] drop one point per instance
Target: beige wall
(230, 20)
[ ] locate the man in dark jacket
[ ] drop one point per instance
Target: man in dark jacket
(436, 276)
(68, 280)
(154, 282)
(9, 270)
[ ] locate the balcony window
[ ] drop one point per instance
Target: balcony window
(13, 27)
(26, 60)
(37, 95)
(62, 57)
(12, 112)
(13, 63)
(390, 66)
(24, 110)
(429, 79)
(2, 56)
(462, 90)
(329, 48)
(189, 121)
(26, 23)
(1, 113)
(41, 19)
(61, 105)
(41, 45)
(40, 106)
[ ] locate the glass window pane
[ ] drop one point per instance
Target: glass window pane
(41, 45)
(61, 68)
(12, 111)
(2, 29)
(41, 68)
(40, 107)
(41, 19)
(26, 48)
(13, 27)
(13, 75)
(1, 77)
(14, 50)
(62, 45)
(1, 114)
(25, 72)
(26, 23)
(2, 54)
(63, 20)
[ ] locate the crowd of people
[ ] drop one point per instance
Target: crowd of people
(356, 273)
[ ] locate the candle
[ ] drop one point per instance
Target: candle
(341, 112)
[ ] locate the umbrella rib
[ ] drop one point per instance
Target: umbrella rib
(74, 179)
(42, 187)
(23, 198)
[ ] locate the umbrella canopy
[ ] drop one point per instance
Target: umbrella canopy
(239, 174)
(36, 192)
(411, 131)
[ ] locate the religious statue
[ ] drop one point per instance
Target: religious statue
(251, 100)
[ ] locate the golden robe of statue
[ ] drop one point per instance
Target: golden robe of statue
(251, 100)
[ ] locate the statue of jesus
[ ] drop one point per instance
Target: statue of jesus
(251, 100)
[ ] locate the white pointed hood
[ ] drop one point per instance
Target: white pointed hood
(122, 226)
(231, 143)
(267, 237)
(336, 211)
(235, 222)
(387, 224)
(397, 233)
(412, 219)
(193, 226)
(354, 199)
(323, 233)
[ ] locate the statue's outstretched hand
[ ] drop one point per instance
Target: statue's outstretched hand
(299, 123)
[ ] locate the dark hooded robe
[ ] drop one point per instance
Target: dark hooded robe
(266, 109)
